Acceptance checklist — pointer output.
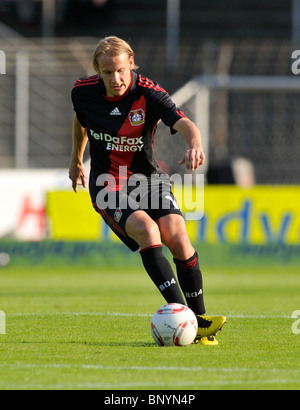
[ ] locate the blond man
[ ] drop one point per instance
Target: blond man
(117, 111)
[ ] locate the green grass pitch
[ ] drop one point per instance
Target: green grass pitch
(87, 328)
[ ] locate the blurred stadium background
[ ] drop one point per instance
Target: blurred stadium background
(227, 64)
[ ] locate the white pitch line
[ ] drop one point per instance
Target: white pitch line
(109, 314)
(160, 384)
(139, 368)
(126, 368)
(294, 373)
(120, 314)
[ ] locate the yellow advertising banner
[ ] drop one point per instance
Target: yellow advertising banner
(258, 215)
(72, 217)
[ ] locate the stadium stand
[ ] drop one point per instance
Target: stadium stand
(250, 39)
(133, 18)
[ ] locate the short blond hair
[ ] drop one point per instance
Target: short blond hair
(111, 46)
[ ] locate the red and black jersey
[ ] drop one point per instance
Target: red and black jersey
(121, 129)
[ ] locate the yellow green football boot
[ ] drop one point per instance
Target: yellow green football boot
(209, 326)
(208, 341)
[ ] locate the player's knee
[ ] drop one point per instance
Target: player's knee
(176, 242)
(148, 231)
(145, 232)
(180, 246)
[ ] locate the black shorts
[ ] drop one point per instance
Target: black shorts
(155, 197)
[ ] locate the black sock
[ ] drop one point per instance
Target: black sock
(161, 273)
(190, 279)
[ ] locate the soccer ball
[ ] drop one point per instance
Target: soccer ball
(174, 325)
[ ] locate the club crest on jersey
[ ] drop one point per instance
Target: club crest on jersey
(118, 215)
(137, 117)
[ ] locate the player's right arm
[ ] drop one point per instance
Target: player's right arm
(77, 172)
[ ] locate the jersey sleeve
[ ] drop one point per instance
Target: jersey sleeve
(165, 109)
(75, 96)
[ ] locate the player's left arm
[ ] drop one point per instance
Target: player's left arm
(195, 156)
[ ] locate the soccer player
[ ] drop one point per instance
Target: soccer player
(117, 111)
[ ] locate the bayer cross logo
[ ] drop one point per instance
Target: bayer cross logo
(2, 62)
(137, 117)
